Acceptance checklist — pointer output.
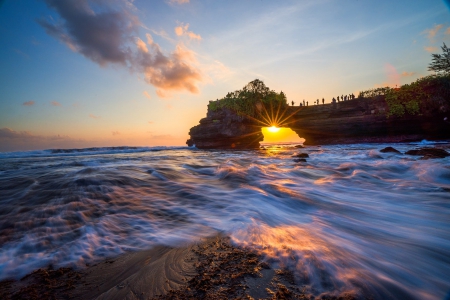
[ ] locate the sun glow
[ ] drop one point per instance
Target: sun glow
(273, 129)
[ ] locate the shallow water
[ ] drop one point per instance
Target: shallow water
(351, 219)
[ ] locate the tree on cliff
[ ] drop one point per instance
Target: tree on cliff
(441, 62)
(254, 94)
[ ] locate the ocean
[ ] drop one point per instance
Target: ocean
(350, 217)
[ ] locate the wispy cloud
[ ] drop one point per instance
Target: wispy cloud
(146, 94)
(105, 31)
(447, 31)
(182, 30)
(431, 49)
(29, 103)
(114, 133)
(150, 122)
(11, 140)
(431, 33)
(22, 53)
(407, 74)
(55, 103)
(178, 1)
(94, 116)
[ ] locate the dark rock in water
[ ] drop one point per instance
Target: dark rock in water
(299, 146)
(389, 149)
(300, 160)
(302, 155)
(429, 153)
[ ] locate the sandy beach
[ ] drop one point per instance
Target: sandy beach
(210, 269)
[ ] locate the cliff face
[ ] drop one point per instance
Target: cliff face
(224, 129)
(354, 121)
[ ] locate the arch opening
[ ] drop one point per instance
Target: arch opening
(280, 136)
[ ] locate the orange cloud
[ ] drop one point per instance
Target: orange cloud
(407, 74)
(94, 116)
(172, 72)
(146, 94)
(447, 31)
(431, 49)
(141, 45)
(392, 74)
(84, 31)
(431, 33)
(29, 103)
(114, 133)
(55, 103)
(150, 122)
(178, 1)
(183, 30)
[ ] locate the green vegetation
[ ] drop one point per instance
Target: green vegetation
(424, 95)
(441, 62)
(247, 100)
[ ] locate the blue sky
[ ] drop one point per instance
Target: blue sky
(140, 73)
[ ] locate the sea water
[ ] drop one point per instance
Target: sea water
(350, 219)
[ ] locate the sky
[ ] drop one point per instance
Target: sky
(93, 73)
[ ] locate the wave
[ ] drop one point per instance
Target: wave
(89, 151)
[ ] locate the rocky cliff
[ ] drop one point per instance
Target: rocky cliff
(355, 121)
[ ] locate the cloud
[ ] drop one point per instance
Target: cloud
(172, 72)
(29, 103)
(407, 74)
(431, 49)
(22, 53)
(146, 94)
(114, 133)
(106, 33)
(447, 31)
(162, 137)
(141, 45)
(178, 1)
(11, 140)
(11, 134)
(55, 103)
(183, 30)
(150, 122)
(94, 116)
(431, 33)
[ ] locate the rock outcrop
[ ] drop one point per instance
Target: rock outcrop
(354, 121)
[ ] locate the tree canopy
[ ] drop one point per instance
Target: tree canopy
(441, 62)
(246, 100)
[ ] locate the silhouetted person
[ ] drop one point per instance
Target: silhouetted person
(345, 98)
(303, 102)
(333, 100)
(292, 102)
(323, 100)
(306, 103)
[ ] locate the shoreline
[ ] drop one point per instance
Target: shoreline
(209, 269)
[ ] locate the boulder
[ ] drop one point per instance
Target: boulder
(429, 153)
(389, 149)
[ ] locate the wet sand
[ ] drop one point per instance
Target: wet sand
(210, 269)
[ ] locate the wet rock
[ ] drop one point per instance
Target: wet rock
(427, 153)
(299, 146)
(302, 155)
(389, 149)
(300, 160)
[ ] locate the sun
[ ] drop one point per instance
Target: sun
(274, 129)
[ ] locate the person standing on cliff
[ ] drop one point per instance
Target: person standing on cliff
(293, 102)
(303, 102)
(323, 100)
(306, 103)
